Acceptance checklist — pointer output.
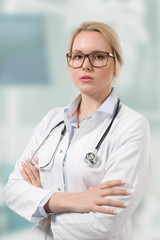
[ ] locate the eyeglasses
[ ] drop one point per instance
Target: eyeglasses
(96, 59)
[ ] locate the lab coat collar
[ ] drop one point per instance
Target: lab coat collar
(107, 107)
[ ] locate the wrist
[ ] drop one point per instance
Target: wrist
(58, 202)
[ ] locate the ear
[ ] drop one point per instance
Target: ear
(114, 77)
(115, 70)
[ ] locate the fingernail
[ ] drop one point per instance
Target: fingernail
(116, 211)
(27, 161)
(125, 204)
(129, 191)
(36, 160)
(123, 181)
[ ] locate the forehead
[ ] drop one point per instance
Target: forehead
(88, 41)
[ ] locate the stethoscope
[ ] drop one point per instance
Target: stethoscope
(91, 158)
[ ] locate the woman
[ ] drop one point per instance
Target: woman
(85, 198)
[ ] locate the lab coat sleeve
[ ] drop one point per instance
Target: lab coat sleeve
(129, 159)
(22, 197)
(40, 211)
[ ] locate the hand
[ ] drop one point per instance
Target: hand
(48, 219)
(92, 200)
(31, 173)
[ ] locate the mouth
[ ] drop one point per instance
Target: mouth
(86, 78)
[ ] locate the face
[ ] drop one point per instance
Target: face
(88, 79)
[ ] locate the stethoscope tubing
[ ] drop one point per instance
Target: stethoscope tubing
(62, 134)
(91, 158)
(108, 128)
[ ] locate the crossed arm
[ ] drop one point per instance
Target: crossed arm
(92, 200)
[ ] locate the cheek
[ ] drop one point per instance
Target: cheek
(74, 75)
(105, 76)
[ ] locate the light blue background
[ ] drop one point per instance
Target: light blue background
(34, 37)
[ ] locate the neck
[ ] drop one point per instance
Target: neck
(89, 104)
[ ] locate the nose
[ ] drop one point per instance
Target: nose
(86, 64)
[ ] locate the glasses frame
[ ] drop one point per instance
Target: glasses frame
(68, 55)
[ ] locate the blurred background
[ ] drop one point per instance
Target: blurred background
(34, 78)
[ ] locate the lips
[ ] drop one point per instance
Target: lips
(86, 78)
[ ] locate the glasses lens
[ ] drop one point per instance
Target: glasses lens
(75, 59)
(99, 59)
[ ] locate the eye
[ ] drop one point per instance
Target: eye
(77, 56)
(99, 56)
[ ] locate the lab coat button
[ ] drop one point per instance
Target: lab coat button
(61, 151)
(59, 189)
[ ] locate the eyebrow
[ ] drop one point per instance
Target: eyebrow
(95, 51)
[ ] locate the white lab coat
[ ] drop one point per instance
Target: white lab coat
(124, 154)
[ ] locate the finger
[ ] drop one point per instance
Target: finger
(34, 170)
(104, 210)
(25, 176)
(113, 203)
(36, 160)
(29, 172)
(37, 181)
(112, 183)
(48, 219)
(115, 191)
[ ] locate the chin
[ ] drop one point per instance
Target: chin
(87, 91)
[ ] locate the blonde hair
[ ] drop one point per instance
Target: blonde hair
(110, 35)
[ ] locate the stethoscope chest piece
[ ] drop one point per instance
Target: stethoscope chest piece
(91, 159)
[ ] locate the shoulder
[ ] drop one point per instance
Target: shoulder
(131, 123)
(55, 113)
(53, 117)
(130, 116)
